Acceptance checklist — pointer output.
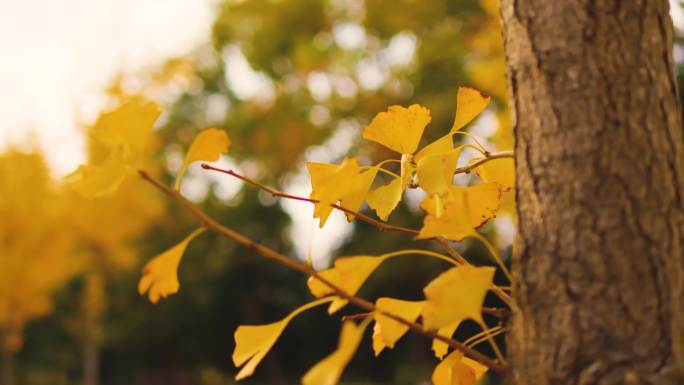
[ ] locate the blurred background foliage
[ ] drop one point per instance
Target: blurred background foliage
(290, 81)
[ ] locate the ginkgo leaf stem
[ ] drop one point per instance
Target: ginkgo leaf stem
(476, 148)
(492, 343)
(479, 335)
(310, 305)
(495, 255)
(388, 172)
(387, 161)
(474, 138)
(421, 252)
(269, 253)
(450, 250)
(380, 225)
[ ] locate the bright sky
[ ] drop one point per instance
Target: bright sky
(56, 57)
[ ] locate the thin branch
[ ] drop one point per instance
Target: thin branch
(276, 193)
(470, 167)
(380, 225)
(308, 270)
(353, 317)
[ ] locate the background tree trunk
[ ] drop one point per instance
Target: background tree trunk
(6, 367)
(599, 262)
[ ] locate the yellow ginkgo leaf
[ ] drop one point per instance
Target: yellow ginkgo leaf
(450, 225)
(385, 199)
(118, 147)
(501, 171)
(456, 295)
(329, 370)
(207, 146)
(97, 180)
(457, 370)
(330, 183)
(387, 331)
(319, 289)
(439, 146)
(399, 128)
(457, 214)
(347, 273)
(127, 129)
(253, 342)
(436, 172)
(439, 347)
(354, 197)
(160, 275)
(477, 367)
(322, 175)
(469, 104)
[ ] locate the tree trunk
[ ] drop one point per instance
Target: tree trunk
(6, 367)
(598, 262)
(93, 301)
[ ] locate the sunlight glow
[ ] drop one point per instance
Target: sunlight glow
(54, 68)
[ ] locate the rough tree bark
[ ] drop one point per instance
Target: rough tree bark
(599, 260)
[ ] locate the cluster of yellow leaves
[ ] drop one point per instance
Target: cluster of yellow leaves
(459, 211)
(346, 183)
(120, 142)
(454, 296)
(453, 212)
(52, 234)
(118, 146)
(36, 251)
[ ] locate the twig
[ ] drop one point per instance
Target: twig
(353, 317)
(380, 225)
(470, 167)
(490, 156)
(207, 221)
